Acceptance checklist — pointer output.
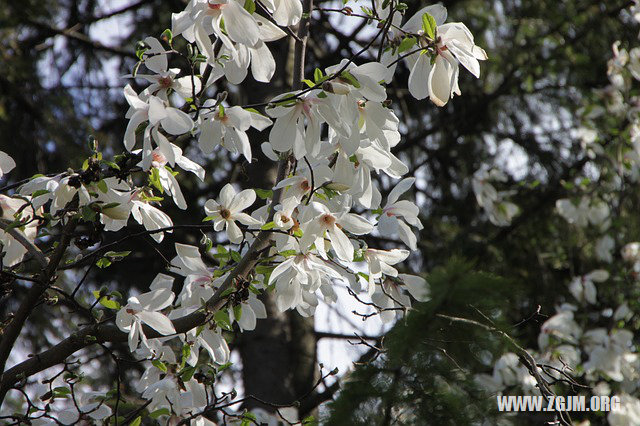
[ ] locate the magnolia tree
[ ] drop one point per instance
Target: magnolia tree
(329, 135)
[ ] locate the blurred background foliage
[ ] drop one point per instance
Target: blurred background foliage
(61, 62)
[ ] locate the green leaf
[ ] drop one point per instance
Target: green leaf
(222, 319)
(159, 365)
(103, 263)
(250, 6)
(237, 312)
(287, 253)
(236, 256)
(39, 193)
(429, 25)
(406, 44)
(308, 82)
(167, 35)
(117, 255)
(187, 373)
(317, 75)
(109, 304)
(267, 226)
(263, 194)
(154, 179)
(346, 75)
(136, 421)
(160, 412)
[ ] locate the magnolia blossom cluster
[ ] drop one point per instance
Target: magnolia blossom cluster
(590, 336)
(339, 133)
(499, 210)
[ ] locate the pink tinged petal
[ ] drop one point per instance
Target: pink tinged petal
(355, 224)
(340, 244)
(233, 232)
(156, 300)
(417, 286)
(419, 76)
(157, 321)
(263, 66)
(240, 25)
(177, 122)
(164, 146)
(441, 81)
(242, 200)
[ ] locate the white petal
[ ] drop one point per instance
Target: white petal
(157, 321)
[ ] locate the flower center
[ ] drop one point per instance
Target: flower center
(214, 6)
(165, 82)
(304, 185)
(159, 158)
(226, 214)
(328, 220)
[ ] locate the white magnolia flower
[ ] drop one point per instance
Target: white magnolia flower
(285, 12)
(296, 281)
(228, 127)
(233, 63)
(561, 327)
(145, 107)
(436, 75)
(143, 309)
(390, 224)
(606, 351)
(12, 250)
(289, 132)
(199, 283)
(165, 78)
(89, 403)
(172, 156)
(629, 412)
(391, 295)
(380, 261)
(228, 208)
(584, 289)
(6, 163)
(325, 221)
